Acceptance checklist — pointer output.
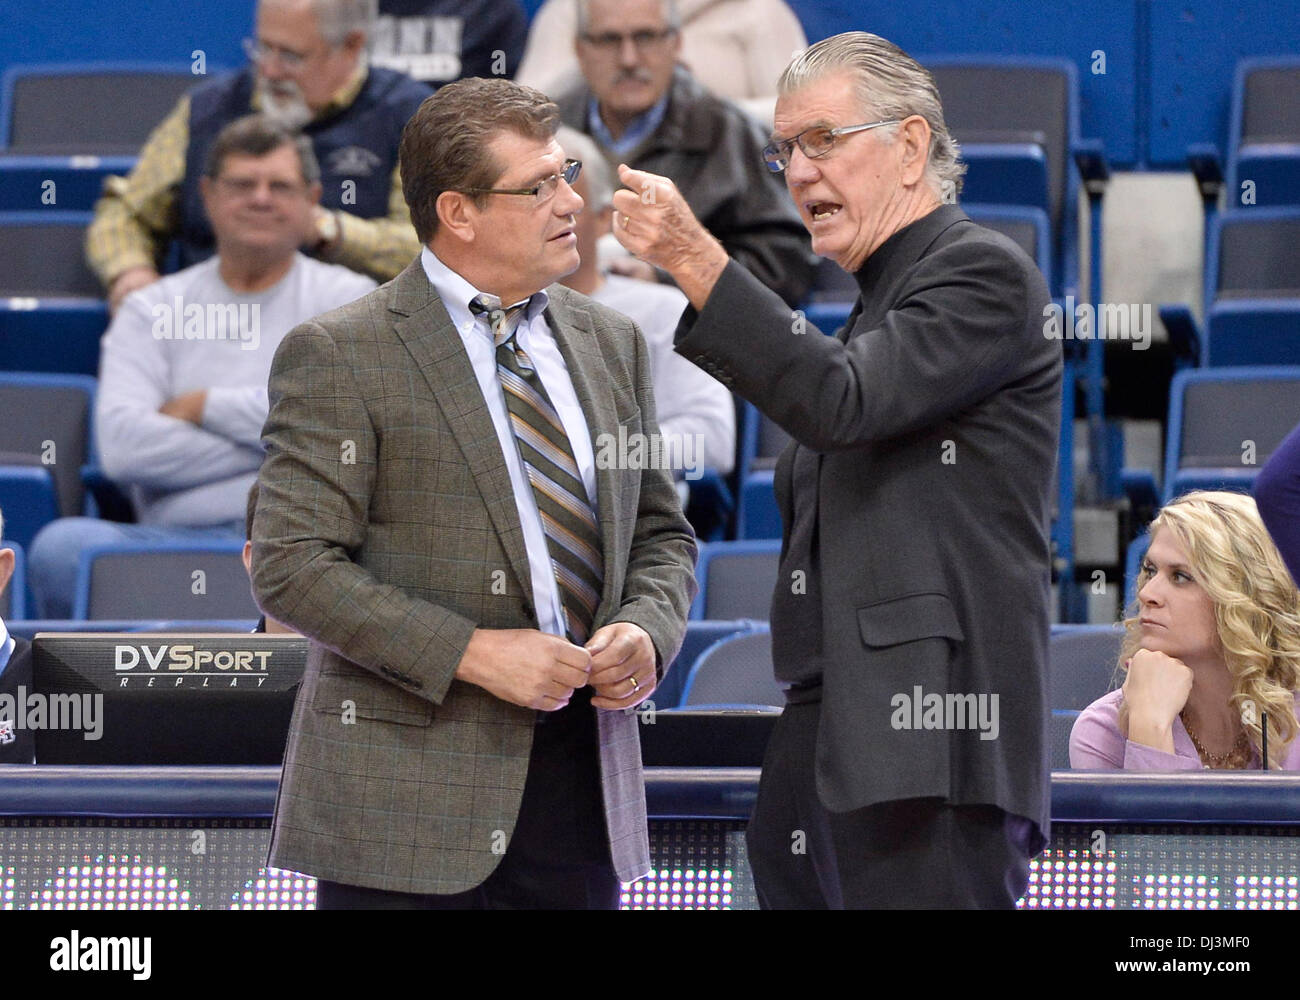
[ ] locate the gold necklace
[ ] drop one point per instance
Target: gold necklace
(1235, 759)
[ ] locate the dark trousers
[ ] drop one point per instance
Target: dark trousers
(558, 856)
(911, 853)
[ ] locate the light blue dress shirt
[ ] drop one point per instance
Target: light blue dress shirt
(535, 337)
(641, 126)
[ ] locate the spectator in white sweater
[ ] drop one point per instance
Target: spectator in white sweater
(184, 364)
(697, 416)
(736, 48)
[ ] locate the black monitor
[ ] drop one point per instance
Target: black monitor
(163, 698)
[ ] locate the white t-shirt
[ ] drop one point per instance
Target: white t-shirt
(191, 331)
(688, 401)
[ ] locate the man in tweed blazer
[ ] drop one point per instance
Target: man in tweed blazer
(459, 739)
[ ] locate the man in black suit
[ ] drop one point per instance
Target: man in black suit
(16, 743)
(910, 620)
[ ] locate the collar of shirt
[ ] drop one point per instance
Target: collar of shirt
(904, 248)
(456, 294)
(641, 126)
(7, 645)
(343, 97)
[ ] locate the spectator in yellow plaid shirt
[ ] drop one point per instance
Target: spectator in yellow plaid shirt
(308, 70)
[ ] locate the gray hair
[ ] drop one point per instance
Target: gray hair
(596, 170)
(669, 7)
(889, 84)
(258, 135)
(336, 19)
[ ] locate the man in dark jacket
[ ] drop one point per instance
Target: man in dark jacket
(910, 618)
(308, 71)
(644, 111)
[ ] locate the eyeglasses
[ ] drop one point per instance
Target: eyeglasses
(544, 190)
(644, 40)
(244, 187)
(812, 142)
(260, 52)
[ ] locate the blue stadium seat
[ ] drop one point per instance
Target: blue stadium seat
(42, 255)
(1253, 332)
(13, 602)
(1006, 173)
(1252, 293)
(1224, 423)
(712, 503)
(1264, 136)
(736, 580)
(29, 499)
(1026, 226)
(92, 108)
(1081, 663)
(735, 671)
(1059, 726)
(1250, 254)
(157, 581)
(828, 316)
(66, 127)
(759, 516)
(58, 335)
(70, 183)
(700, 635)
(1017, 121)
(49, 421)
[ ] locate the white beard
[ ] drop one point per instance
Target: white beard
(288, 109)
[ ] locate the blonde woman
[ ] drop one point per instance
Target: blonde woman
(1212, 654)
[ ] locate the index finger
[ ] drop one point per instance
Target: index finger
(635, 178)
(619, 649)
(643, 180)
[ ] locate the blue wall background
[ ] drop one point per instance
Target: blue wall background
(1168, 64)
(33, 31)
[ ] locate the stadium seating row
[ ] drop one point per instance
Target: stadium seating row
(1223, 425)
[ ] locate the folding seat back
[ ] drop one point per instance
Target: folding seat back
(736, 670)
(193, 582)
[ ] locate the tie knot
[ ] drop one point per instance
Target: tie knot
(502, 321)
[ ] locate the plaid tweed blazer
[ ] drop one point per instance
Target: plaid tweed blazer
(386, 532)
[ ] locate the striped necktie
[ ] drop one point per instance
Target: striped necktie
(572, 535)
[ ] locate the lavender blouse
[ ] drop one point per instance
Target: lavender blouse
(1096, 744)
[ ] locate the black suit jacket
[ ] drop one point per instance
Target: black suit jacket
(935, 417)
(18, 673)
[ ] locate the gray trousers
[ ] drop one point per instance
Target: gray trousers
(906, 854)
